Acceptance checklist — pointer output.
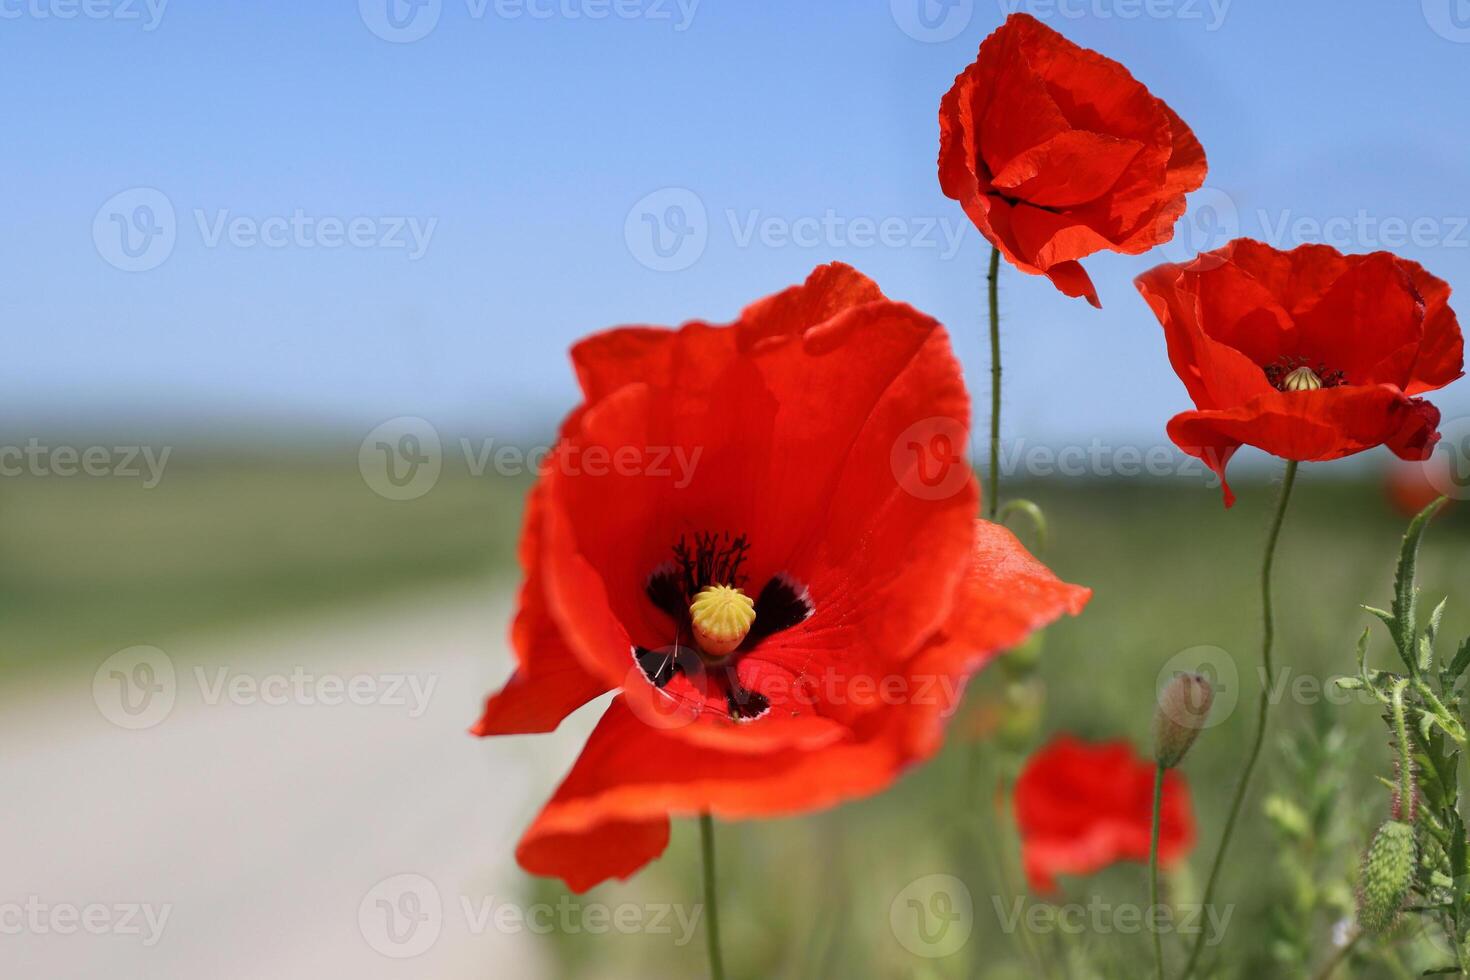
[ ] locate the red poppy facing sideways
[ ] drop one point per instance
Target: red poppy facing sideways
(1056, 152)
(1081, 807)
(762, 537)
(1308, 354)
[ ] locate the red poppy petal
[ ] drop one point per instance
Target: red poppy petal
(1074, 281)
(1442, 354)
(1069, 169)
(1368, 324)
(584, 858)
(634, 775)
(1307, 426)
(1021, 113)
(1081, 807)
(814, 408)
(549, 682)
(1005, 596)
(1214, 325)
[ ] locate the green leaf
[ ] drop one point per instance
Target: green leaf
(1363, 653)
(1405, 594)
(1461, 661)
(1432, 630)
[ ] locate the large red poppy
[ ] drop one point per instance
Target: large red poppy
(1082, 806)
(826, 424)
(1308, 354)
(1056, 152)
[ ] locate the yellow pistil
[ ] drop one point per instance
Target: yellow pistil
(722, 616)
(1302, 379)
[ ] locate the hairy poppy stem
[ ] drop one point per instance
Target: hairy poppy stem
(992, 502)
(711, 908)
(1153, 868)
(1265, 704)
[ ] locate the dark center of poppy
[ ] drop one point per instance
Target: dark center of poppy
(714, 620)
(1297, 374)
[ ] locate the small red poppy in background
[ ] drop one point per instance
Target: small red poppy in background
(1056, 152)
(1308, 354)
(762, 536)
(1411, 487)
(1082, 806)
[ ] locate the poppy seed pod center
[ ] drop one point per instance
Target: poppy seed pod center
(722, 616)
(1302, 379)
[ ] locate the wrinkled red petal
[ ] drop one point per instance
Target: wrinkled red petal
(1377, 329)
(638, 766)
(1056, 152)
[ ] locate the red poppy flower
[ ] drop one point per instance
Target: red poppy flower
(1413, 486)
(1081, 807)
(1056, 152)
(1308, 354)
(824, 428)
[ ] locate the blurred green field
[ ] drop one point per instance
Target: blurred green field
(231, 538)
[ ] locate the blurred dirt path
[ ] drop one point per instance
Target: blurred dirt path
(282, 833)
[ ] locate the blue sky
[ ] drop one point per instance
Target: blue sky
(367, 227)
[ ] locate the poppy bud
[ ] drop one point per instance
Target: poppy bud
(1184, 707)
(1388, 871)
(722, 616)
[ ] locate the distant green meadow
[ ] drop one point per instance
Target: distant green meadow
(227, 539)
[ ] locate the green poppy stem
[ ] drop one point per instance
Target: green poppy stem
(1153, 869)
(1262, 710)
(992, 501)
(711, 907)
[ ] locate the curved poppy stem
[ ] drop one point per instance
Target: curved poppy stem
(1265, 704)
(1153, 869)
(711, 907)
(992, 503)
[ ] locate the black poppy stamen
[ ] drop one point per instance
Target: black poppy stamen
(1298, 374)
(782, 604)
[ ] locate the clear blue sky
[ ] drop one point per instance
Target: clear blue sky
(526, 131)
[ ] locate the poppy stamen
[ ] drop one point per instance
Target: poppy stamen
(1296, 374)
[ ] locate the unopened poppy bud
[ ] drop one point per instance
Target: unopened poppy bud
(722, 616)
(1184, 707)
(1388, 872)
